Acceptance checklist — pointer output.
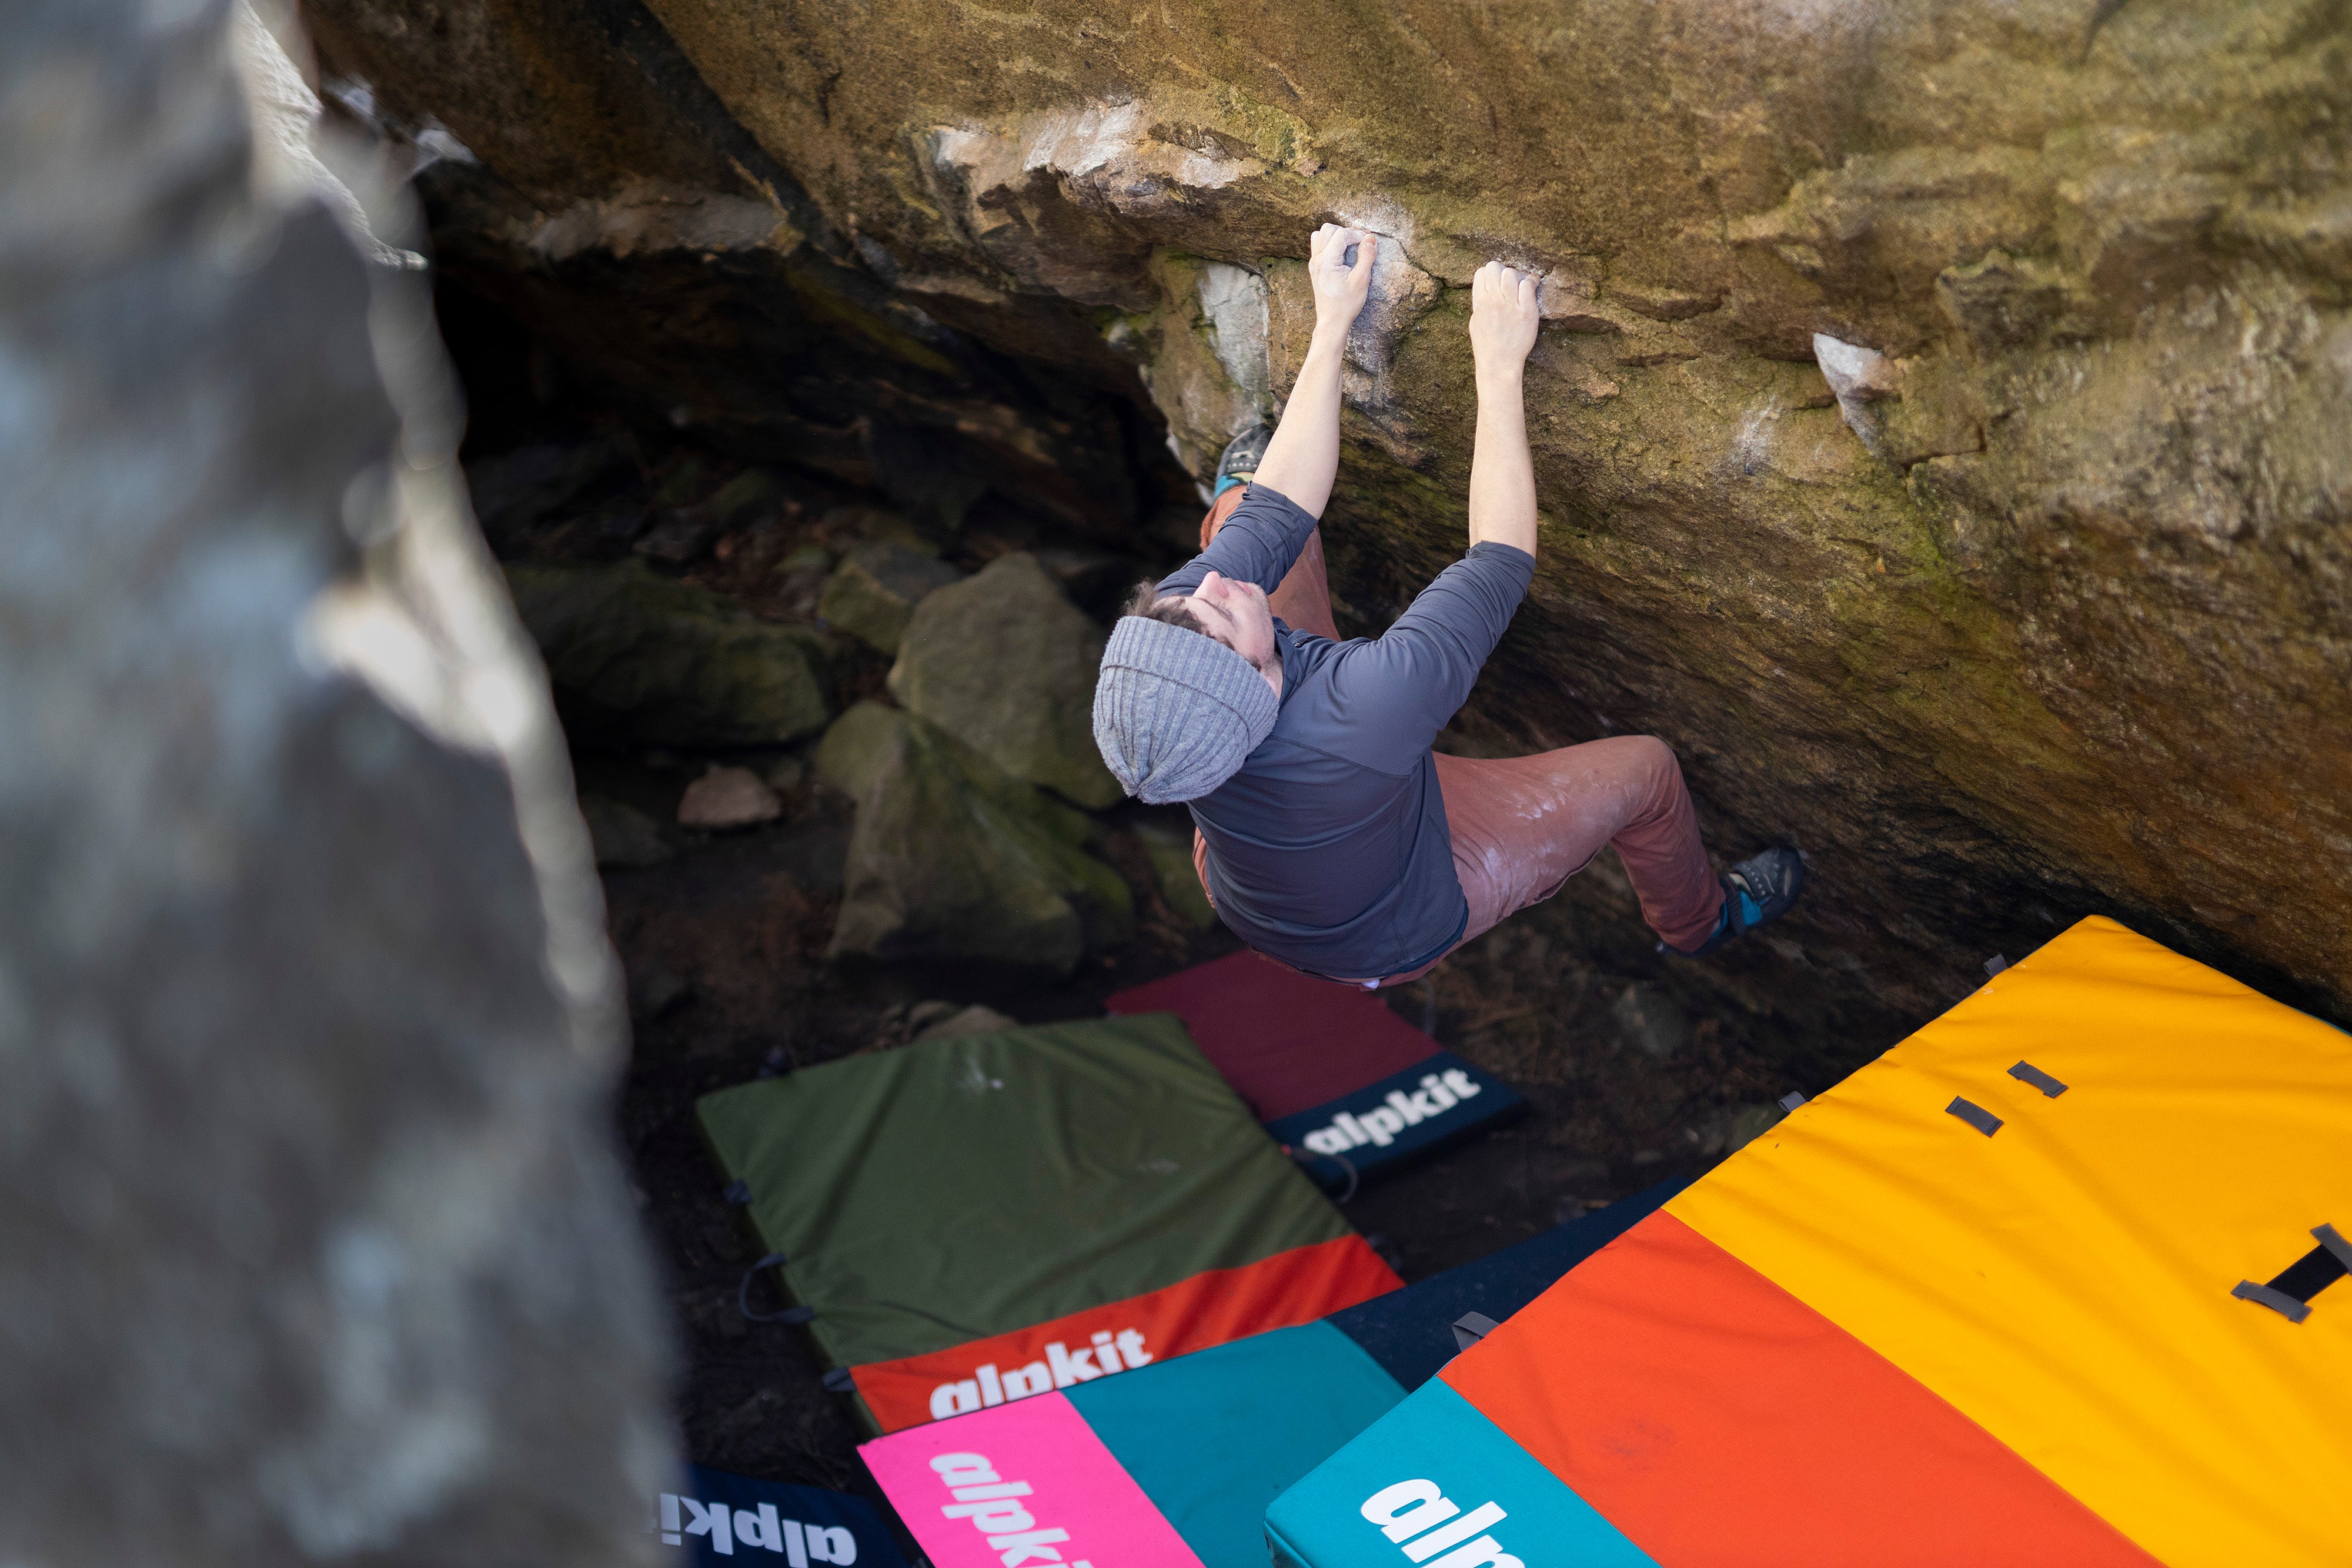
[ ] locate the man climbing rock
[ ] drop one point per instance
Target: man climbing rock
(1329, 835)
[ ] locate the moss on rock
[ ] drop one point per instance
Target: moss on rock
(638, 658)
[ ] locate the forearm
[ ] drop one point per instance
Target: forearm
(1502, 473)
(1304, 455)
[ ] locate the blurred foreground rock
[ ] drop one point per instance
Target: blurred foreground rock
(319, 1249)
(1006, 664)
(953, 861)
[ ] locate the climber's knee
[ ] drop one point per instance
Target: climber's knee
(1653, 758)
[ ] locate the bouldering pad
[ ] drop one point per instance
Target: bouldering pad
(990, 1218)
(1878, 1334)
(1175, 1464)
(1329, 1068)
(718, 1516)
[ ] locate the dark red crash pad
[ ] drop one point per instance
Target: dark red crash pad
(1285, 1043)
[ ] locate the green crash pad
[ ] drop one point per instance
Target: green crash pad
(1077, 1181)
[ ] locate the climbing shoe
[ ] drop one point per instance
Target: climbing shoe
(1243, 454)
(1762, 887)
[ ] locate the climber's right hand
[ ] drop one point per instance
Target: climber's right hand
(1504, 315)
(1339, 289)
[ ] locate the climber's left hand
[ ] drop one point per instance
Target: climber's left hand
(1339, 289)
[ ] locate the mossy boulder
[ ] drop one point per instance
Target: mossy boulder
(953, 861)
(872, 594)
(640, 659)
(1006, 663)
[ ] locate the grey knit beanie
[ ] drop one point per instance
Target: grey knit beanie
(1176, 712)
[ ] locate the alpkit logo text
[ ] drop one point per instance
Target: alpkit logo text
(1439, 1092)
(994, 1507)
(1062, 1367)
(1422, 1519)
(758, 1529)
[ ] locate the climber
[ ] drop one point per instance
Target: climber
(1328, 835)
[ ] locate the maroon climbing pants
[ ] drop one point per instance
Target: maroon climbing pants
(1523, 825)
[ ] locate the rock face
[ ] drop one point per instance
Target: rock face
(1006, 664)
(1937, 420)
(636, 657)
(953, 861)
(307, 1019)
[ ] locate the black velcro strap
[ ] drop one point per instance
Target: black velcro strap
(839, 1381)
(2290, 1294)
(1472, 1327)
(2313, 1272)
(2279, 1301)
(2026, 1072)
(1995, 965)
(1974, 1114)
(1790, 1101)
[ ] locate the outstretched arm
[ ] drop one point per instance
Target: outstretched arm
(1303, 457)
(1503, 322)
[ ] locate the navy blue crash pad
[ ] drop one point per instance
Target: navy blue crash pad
(1334, 1074)
(1411, 1332)
(734, 1519)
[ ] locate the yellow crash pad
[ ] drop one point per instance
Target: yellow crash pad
(2066, 1281)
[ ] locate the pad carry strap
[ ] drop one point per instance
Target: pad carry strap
(743, 1298)
(2289, 1294)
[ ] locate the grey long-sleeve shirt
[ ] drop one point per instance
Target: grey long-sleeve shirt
(1328, 849)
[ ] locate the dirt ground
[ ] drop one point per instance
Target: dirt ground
(724, 947)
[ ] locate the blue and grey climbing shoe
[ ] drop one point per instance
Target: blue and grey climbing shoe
(1762, 887)
(1243, 454)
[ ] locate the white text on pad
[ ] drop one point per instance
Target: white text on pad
(1422, 1519)
(1439, 1093)
(1062, 1367)
(758, 1529)
(993, 1506)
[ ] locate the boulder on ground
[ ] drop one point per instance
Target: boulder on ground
(1006, 663)
(954, 860)
(685, 533)
(728, 798)
(872, 593)
(624, 838)
(639, 658)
